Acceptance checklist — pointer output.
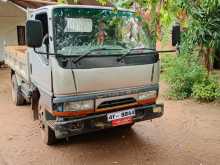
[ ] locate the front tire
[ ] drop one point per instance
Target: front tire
(47, 134)
(17, 97)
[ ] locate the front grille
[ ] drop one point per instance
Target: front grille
(118, 102)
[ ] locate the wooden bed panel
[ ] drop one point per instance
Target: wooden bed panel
(19, 51)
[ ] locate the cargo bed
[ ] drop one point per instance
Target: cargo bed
(16, 58)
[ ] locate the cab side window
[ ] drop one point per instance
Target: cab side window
(44, 19)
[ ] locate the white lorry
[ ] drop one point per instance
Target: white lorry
(85, 68)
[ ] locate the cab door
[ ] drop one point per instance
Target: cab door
(40, 68)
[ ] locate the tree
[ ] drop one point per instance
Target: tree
(203, 29)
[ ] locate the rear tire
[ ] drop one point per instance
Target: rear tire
(17, 97)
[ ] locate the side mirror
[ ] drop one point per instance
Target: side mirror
(34, 33)
(176, 34)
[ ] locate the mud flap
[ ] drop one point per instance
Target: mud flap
(35, 103)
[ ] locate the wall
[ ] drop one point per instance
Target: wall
(10, 17)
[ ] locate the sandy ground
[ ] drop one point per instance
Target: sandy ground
(188, 134)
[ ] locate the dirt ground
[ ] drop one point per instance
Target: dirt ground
(188, 134)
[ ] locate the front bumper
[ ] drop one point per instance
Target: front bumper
(97, 122)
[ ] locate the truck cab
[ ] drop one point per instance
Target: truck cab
(88, 68)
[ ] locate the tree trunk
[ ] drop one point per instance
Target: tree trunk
(208, 59)
(206, 54)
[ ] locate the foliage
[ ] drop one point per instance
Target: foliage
(203, 30)
(155, 12)
(204, 26)
(188, 78)
(166, 61)
(218, 93)
(207, 90)
(183, 72)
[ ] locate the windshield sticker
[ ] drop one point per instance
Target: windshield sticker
(82, 25)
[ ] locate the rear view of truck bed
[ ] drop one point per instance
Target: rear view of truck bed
(16, 58)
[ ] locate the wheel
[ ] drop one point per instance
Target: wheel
(16, 93)
(47, 134)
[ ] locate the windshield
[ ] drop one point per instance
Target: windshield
(80, 30)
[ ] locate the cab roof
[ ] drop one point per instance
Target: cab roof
(51, 7)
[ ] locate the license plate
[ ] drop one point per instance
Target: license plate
(123, 121)
(121, 117)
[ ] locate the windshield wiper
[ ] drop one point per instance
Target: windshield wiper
(130, 50)
(91, 51)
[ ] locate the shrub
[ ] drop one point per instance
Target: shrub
(183, 72)
(218, 93)
(207, 90)
(166, 61)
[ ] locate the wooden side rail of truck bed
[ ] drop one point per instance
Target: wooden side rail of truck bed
(18, 51)
(16, 58)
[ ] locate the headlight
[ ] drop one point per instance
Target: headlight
(147, 95)
(79, 106)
